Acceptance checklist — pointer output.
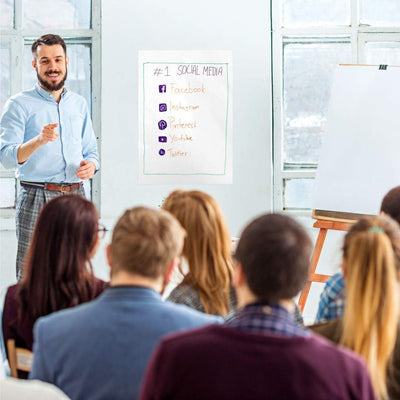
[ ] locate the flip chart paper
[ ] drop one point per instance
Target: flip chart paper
(360, 157)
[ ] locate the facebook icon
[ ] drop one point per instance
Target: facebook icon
(162, 88)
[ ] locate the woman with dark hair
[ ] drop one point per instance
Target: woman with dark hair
(57, 270)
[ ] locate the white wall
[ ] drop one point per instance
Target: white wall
(180, 25)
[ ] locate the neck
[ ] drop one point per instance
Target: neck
(245, 297)
(125, 278)
(55, 93)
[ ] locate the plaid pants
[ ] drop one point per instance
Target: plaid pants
(29, 203)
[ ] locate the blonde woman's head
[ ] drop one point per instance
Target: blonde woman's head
(207, 246)
(371, 255)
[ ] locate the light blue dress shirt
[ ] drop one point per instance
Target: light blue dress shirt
(23, 118)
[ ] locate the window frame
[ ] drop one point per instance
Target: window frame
(358, 35)
(17, 38)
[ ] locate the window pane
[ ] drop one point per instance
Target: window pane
(307, 75)
(56, 14)
(380, 12)
(79, 70)
(6, 14)
(383, 53)
(7, 190)
(4, 75)
(297, 193)
(316, 13)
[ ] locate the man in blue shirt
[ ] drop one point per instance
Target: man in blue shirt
(331, 303)
(46, 134)
(100, 350)
(332, 300)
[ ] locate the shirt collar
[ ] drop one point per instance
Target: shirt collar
(132, 292)
(45, 94)
(266, 319)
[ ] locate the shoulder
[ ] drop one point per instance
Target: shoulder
(334, 284)
(25, 95)
(196, 338)
(12, 291)
(67, 319)
(341, 360)
(16, 103)
(100, 286)
(21, 103)
(183, 290)
(181, 312)
(11, 295)
(186, 294)
(11, 305)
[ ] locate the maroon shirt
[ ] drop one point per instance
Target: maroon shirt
(224, 363)
(22, 331)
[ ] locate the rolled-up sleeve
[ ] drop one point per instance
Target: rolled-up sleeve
(12, 131)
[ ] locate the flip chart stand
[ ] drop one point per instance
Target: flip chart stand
(324, 226)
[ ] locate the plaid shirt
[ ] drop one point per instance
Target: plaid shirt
(187, 295)
(331, 303)
(266, 319)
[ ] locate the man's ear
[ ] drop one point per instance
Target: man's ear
(170, 269)
(238, 275)
(108, 255)
(66, 61)
(34, 64)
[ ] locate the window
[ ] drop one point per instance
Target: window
(310, 38)
(23, 21)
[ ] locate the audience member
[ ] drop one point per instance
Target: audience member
(262, 353)
(206, 285)
(57, 272)
(100, 350)
(371, 266)
(331, 304)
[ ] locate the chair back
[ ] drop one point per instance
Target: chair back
(20, 359)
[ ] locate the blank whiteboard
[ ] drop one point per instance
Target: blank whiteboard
(360, 156)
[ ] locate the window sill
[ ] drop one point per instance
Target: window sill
(7, 220)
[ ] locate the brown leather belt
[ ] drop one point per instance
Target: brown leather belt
(67, 187)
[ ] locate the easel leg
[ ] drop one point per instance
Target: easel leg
(314, 261)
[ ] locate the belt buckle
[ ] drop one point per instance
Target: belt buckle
(64, 188)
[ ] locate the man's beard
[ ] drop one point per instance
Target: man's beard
(52, 86)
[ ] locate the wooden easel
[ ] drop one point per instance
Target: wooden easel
(324, 224)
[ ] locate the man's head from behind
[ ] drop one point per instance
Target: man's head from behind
(391, 204)
(274, 254)
(144, 243)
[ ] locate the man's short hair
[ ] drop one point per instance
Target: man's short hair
(274, 251)
(391, 204)
(48, 40)
(145, 241)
